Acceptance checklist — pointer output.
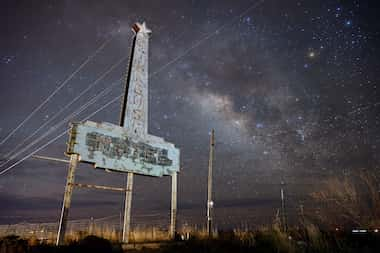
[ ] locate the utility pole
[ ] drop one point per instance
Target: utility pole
(302, 214)
(210, 203)
(284, 224)
(173, 213)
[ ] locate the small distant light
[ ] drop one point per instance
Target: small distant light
(376, 230)
(259, 125)
(336, 229)
(311, 54)
(359, 231)
(348, 22)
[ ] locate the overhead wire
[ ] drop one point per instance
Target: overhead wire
(54, 139)
(210, 35)
(56, 90)
(65, 120)
(65, 107)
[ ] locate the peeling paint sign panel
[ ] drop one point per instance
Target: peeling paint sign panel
(112, 147)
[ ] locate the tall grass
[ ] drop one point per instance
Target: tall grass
(307, 239)
(352, 200)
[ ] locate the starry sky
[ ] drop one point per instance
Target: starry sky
(290, 87)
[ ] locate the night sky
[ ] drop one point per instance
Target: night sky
(290, 87)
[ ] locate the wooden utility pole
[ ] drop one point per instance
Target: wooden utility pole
(173, 213)
(284, 224)
(210, 203)
(67, 199)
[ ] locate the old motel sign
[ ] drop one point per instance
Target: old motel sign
(126, 147)
(129, 147)
(112, 147)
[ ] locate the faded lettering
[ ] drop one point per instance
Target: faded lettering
(116, 148)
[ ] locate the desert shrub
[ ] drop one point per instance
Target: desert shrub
(13, 244)
(352, 200)
(89, 244)
(229, 241)
(94, 244)
(272, 241)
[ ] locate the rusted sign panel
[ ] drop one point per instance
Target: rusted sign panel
(115, 148)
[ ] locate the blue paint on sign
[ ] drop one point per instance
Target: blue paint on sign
(113, 147)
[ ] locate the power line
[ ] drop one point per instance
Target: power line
(56, 126)
(54, 139)
(67, 106)
(59, 124)
(62, 84)
(210, 35)
(195, 45)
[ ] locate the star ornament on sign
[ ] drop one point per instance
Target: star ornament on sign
(137, 27)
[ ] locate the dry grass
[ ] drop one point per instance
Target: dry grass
(352, 200)
(311, 239)
(47, 232)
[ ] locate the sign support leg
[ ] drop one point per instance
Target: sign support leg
(67, 199)
(127, 208)
(173, 212)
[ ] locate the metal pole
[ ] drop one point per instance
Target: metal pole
(209, 186)
(127, 208)
(100, 187)
(50, 158)
(67, 199)
(173, 215)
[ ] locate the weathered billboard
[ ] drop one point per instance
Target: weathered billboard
(113, 147)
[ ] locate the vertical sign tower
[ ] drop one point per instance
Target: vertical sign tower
(134, 112)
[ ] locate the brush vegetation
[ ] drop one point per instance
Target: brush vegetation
(308, 239)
